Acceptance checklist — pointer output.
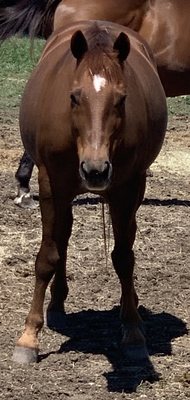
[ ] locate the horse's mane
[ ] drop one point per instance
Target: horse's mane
(32, 17)
(101, 58)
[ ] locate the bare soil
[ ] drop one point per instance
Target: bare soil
(84, 361)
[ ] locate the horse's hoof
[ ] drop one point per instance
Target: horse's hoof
(25, 200)
(25, 355)
(55, 320)
(133, 343)
(135, 353)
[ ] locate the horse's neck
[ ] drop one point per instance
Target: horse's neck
(134, 14)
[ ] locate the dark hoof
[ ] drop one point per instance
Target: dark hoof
(55, 320)
(25, 355)
(135, 353)
(133, 344)
(25, 200)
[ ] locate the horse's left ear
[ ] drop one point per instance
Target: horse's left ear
(79, 45)
(122, 46)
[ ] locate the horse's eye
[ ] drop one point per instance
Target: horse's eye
(74, 100)
(120, 101)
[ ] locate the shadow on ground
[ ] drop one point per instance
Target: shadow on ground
(87, 200)
(99, 332)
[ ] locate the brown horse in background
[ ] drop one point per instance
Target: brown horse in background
(163, 23)
(93, 118)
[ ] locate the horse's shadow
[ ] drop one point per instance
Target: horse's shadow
(99, 332)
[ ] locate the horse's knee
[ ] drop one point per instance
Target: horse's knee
(123, 261)
(47, 261)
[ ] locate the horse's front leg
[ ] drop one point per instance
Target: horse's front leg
(59, 288)
(47, 262)
(124, 203)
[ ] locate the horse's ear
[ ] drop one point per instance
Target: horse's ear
(122, 46)
(79, 45)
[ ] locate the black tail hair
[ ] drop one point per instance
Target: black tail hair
(27, 17)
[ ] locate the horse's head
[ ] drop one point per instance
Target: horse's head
(98, 103)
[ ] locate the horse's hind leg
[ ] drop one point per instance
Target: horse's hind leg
(23, 175)
(48, 260)
(124, 203)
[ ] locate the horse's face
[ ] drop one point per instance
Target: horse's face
(98, 112)
(97, 115)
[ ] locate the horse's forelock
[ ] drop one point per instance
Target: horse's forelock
(101, 58)
(104, 63)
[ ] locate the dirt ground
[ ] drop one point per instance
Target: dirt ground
(83, 361)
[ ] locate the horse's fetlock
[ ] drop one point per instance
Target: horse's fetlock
(34, 323)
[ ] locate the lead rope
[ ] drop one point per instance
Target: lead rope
(106, 244)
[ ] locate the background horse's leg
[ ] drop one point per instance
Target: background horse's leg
(23, 175)
(124, 203)
(47, 261)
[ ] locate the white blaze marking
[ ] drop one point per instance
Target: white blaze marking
(99, 82)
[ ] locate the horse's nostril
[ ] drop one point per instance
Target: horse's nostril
(107, 166)
(83, 167)
(106, 170)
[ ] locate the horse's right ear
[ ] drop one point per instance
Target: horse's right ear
(122, 46)
(79, 45)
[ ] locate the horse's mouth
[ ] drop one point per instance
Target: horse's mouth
(95, 186)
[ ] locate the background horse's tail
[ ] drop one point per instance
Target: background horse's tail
(31, 17)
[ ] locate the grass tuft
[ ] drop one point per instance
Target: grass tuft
(17, 59)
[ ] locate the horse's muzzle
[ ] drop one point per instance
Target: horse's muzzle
(96, 175)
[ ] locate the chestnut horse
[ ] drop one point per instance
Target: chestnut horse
(163, 23)
(93, 118)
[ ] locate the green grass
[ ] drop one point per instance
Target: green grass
(179, 106)
(18, 58)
